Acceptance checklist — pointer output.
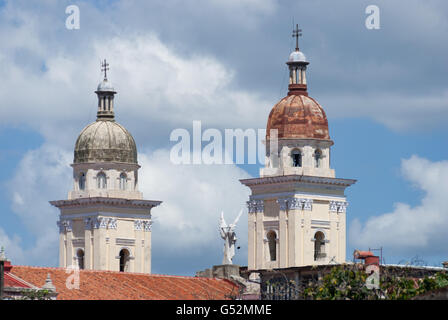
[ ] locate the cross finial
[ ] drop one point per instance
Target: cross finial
(296, 34)
(105, 68)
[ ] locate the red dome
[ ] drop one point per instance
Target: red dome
(298, 116)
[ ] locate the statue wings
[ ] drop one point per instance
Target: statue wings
(237, 218)
(223, 224)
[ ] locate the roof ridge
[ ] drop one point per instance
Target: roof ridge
(34, 267)
(118, 272)
(20, 280)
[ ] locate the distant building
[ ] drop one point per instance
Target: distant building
(16, 288)
(286, 283)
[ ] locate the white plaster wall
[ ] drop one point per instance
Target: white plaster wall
(281, 163)
(112, 172)
(100, 244)
(295, 233)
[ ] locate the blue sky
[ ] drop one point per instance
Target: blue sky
(223, 62)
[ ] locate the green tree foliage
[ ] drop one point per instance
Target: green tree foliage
(348, 282)
(36, 295)
(340, 283)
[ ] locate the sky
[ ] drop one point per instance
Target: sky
(222, 62)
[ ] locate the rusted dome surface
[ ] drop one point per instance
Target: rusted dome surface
(298, 117)
(105, 141)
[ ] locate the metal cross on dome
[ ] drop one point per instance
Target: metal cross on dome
(105, 68)
(296, 34)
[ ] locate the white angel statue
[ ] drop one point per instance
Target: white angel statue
(228, 234)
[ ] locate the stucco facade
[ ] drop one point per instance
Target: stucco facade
(101, 227)
(294, 208)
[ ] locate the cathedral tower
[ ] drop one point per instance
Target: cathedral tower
(105, 224)
(297, 207)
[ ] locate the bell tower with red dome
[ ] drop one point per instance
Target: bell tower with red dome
(301, 126)
(297, 209)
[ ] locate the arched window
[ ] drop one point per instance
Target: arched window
(272, 242)
(124, 260)
(80, 256)
(318, 158)
(82, 181)
(123, 181)
(319, 246)
(296, 158)
(101, 180)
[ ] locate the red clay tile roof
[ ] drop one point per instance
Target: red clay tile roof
(111, 285)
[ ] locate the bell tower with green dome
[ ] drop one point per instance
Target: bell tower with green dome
(105, 224)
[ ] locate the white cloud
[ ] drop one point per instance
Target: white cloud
(168, 88)
(42, 175)
(13, 248)
(396, 111)
(245, 14)
(410, 230)
(165, 87)
(158, 87)
(194, 196)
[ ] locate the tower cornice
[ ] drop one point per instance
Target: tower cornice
(298, 178)
(120, 202)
